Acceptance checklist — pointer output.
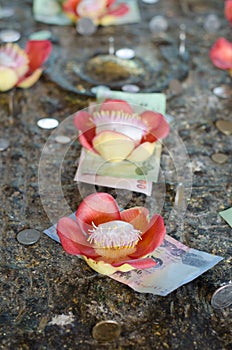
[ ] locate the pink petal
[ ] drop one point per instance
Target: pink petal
(221, 54)
(157, 125)
(72, 238)
(82, 121)
(120, 10)
(228, 10)
(37, 51)
(97, 208)
(145, 263)
(116, 105)
(137, 216)
(151, 238)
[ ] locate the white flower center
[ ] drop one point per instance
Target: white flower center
(7, 61)
(114, 234)
(130, 125)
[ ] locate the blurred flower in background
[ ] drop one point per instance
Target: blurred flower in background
(22, 68)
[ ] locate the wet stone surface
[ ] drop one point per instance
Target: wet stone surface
(40, 282)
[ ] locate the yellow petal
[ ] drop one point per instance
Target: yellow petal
(142, 152)
(106, 269)
(113, 146)
(8, 79)
(107, 20)
(32, 79)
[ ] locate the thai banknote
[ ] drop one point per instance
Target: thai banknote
(50, 11)
(137, 177)
(151, 101)
(176, 265)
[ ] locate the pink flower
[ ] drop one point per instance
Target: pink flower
(116, 132)
(228, 10)
(110, 240)
(20, 67)
(221, 54)
(100, 11)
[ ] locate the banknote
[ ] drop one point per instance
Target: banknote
(93, 177)
(176, 265)
(92, 164)
(50, 12)
(151, 101)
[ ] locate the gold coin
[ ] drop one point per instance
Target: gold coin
(105, 331)
(224, 126)
(219, 158)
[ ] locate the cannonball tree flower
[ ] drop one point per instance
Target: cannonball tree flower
(22, 68)
(228, 10)
(111, 240)
(101, 12)
(116, 132)
(221, 54)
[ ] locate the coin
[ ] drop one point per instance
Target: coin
(9, 35)
(47, 123)
(96, 89)
(62, 139)
(130, 88)
(105, 331)
(6, 12)
(125, 53)
(223, 91)
(225, 126)
(175, 86)
(28, 236)
(222, 297)
(85, 26)
(4, 144)
(158, 24)
(150, 1)
(219, 158)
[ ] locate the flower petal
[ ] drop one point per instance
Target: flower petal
(37, 52)
(151, 238)
(72, 238)
(116, 105)
(8, 78)
(221, 54)
(142, 152)
(118, 11)
(137, 216)
(228, 10)
(113, 146)
(158, 126)
(107, 269)
(144, 263)
(31, 79)
(97, 208)
(82, 121)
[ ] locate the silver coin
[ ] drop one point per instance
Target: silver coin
(125, 53)
(150, 1)
(28, 236)
(9, 35)
(96, 89)
(62, 139)
(158, 24)
(4, 144)
(130, 88)
(6, 12)
(222, 297)
(48, 123)
(85, 26)
(223, 91)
